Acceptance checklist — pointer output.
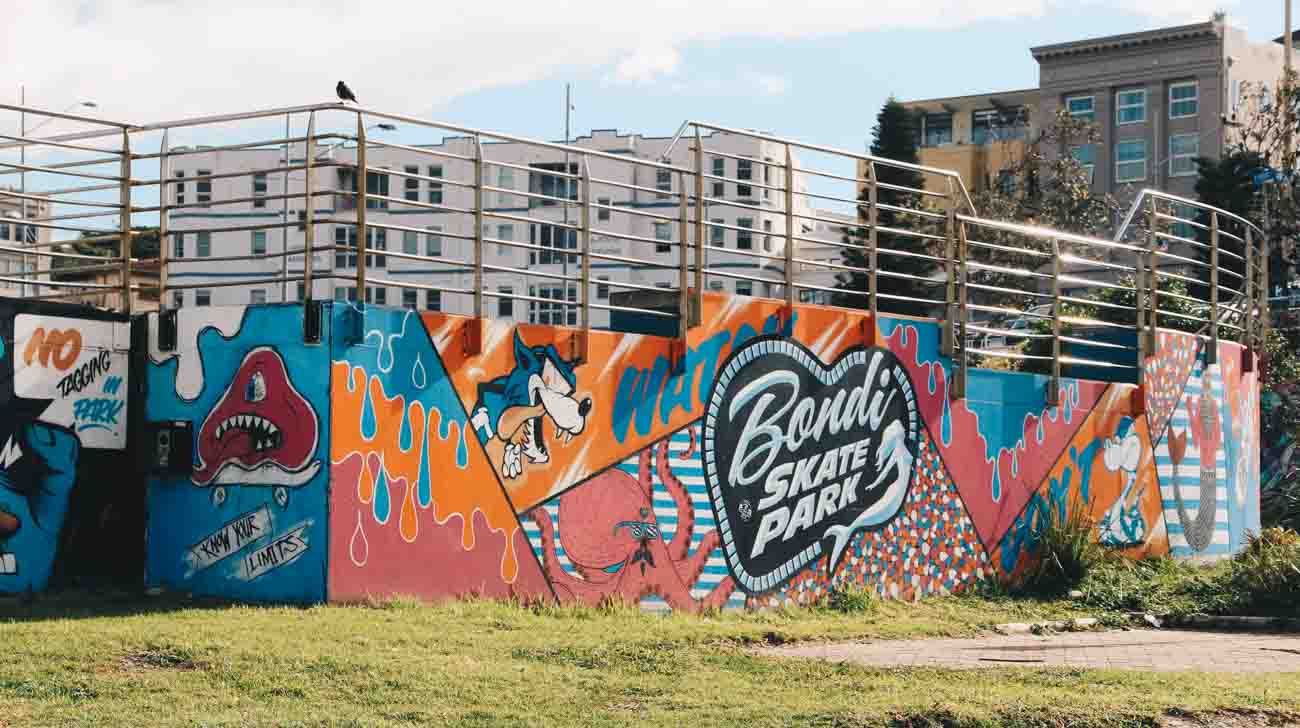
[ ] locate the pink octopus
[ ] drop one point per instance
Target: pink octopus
(613, 540)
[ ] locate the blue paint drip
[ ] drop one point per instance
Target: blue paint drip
(424, 489)
(369, 423)
(383, 507)
(996, 486)
(405, 435)
(945, 428)
(462, 452)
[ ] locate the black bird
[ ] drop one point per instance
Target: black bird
(345, 93)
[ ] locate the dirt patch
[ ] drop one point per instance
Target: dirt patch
(158, 658)
(1230, 719)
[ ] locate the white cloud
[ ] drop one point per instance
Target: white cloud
(770, 84)
(647, 65)
(145, 60)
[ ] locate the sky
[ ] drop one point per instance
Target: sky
(816, 70)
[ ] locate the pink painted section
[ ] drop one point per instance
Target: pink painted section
(995, 489)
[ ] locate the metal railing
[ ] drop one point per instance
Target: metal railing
(615, 226)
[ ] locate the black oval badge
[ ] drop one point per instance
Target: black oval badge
(799, 456)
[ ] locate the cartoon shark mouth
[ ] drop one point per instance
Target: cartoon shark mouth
(8, 564)
(261, 432)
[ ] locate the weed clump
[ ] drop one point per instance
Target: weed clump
(1066, 554)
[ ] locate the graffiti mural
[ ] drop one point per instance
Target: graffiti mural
(62, 410)
(778, 456)
(248, 519)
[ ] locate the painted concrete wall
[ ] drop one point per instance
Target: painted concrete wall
(65, 492)
(783, 458)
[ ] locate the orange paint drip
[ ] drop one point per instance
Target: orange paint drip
(455, 491)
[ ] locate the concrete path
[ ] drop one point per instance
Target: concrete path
(1163, 650)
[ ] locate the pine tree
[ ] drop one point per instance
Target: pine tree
(1226, 183)
(894, 138)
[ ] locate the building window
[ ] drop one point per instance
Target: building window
(178, 245)
(719, 170)
(204, 245)
(1086, 156)
(992, 125)
(203, 187)
(506, 304)
(256, 296)
(505, 233)
(1131, 161)
(302, 290)
(717, 233)
(433, 242)
(435, 188)
(602, 288)
(767, 236)
(410, 242)
(716, 285)
(663, 183)
(1131, 106)
(551, 238)
(202, 297)
(506, 181)
(663, 234)
(376, 239)
(258, 244)
(410, 298)
(178, 299)
(1083, 108)
(4, 231)
(552, 309)
(744, 288)
(433, 300)
(381, 296)
(411, 185)
(553, 186)
(1183, 151)
(376, 184)
(744, 238)
(180, 187)
(259, 189)
(1183, 99)
(602, 208)
(744, 172)
(938, 130)
(767, 178)
(345, 242)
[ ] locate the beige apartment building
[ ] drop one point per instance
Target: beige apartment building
(1159, 98)
(16, 268)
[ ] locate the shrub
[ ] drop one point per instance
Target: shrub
(1265, 576)
(1067, 551)
(850, 599)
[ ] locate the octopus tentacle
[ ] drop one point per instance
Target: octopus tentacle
(551, 559)
(681, 543)
(643, 474)
(692, 567)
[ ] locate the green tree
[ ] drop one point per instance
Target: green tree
(1226, 183)
(901, 273)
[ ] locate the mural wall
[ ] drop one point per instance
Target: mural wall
(64, 386)
(779, 457)
(248, 519)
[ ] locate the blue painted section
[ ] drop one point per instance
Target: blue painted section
(35, 490)
(246, 537)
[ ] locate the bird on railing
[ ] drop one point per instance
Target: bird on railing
(345, 93)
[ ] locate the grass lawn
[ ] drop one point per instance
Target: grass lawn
(78, 660)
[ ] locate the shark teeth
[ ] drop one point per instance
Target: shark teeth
(263, 432)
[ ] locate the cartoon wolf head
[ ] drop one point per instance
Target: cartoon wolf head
(514, 408)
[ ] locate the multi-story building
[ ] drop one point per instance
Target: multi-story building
(1158, 98)
(16, 268)
(519, 207)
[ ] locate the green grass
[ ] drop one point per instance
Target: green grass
(83, 661)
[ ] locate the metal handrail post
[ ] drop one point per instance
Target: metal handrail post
(125, 224)
(1248, 305)
(1265, 320)
(958, 390)
(683, 268)
(585, 343)
(1153, 280)
(363, 186)
(1213, 354)
(478, 232)
(701, 235)
(164, 173)
(1054, 386)
(789, 231)
(873, 259)
(309, 217)
(947, 345)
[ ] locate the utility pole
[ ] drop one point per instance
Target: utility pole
(568, 184)
(22, 185)
(1287, 162)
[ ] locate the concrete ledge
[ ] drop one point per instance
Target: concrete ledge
(1244, 624)
(1067, 625)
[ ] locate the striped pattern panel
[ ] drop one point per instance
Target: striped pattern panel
(691, 473)
(1187, 478)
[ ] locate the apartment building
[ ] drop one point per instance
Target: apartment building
(638, 249)
(14, 233)
(1159, 98)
